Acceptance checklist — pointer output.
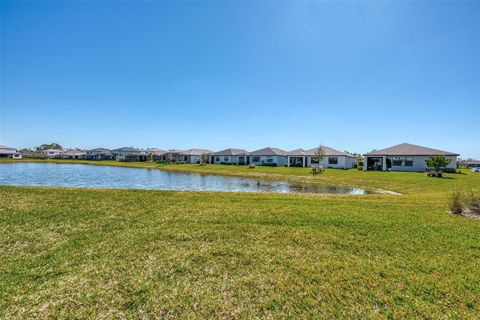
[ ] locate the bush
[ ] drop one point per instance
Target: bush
(456, 202)
(460, 201)
(472, 201)
(269, 164)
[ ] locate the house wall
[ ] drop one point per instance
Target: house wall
(343, 162)
(419, 164)
(225, 159)
(279, 160)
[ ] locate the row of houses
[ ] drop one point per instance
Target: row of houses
(402, 157)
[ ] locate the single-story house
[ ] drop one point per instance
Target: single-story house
(52, 153)
(129, 154)
(231, 156)
(472, 163)
(184, 156)
(74, 154)
(405, 157)
(269, 157)
(9, 152)
(332, 158)
(158, 155)
(98, 154)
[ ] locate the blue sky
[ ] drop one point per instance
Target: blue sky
(354, 76)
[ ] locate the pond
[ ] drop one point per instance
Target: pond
(92, 176)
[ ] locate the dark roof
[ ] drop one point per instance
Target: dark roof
(231, 152)
(269, 152)
(407, 149)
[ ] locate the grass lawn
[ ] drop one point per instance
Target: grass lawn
(86, 253)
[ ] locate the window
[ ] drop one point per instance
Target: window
(332, 160)
(256, 159)
(314, 160)
(397, 161)
(217, 159)
(270, 159)
(409, 162)
(226, 158)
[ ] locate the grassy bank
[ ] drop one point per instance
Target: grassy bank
(80, 253)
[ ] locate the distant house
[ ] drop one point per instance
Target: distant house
(52, 153)
(158, 155)
(74, 154)
(129, 154)
(231, 156)
(269, 157)
(184, 156)
(98, 154)
(332, 158)
(9, 152)
(472, 163)
(405, 157)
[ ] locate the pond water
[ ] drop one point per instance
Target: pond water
(91, 176)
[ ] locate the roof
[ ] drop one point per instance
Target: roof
(7, 148)
(311, 152)
(54, 150)
(99, 150)
(231, 152)
(157, 152)
(127, 149)
(195, 152)
(407, 149)
(269, 152)
(73, 152)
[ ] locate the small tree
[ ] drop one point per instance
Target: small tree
(149, 156)
(437, 164)
(360, 162)
(319, 155)
(204, 158)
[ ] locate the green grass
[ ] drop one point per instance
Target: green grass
(85, 253)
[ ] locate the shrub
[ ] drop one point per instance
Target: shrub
(472, 201)
(456, 201)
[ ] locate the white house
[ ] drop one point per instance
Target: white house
(129, 154)
(332, 158)
(269, 157)
(98, 154)
(52, 153)
(9, 152)
(184, 156)
(74, 154)
(231, 156)
(405, 157)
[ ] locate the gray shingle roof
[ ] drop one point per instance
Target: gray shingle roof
(231, 152)
(311, 152)
(99, 150)
(195, 152)
(407, 149)
(127, 149)
(269, 152)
